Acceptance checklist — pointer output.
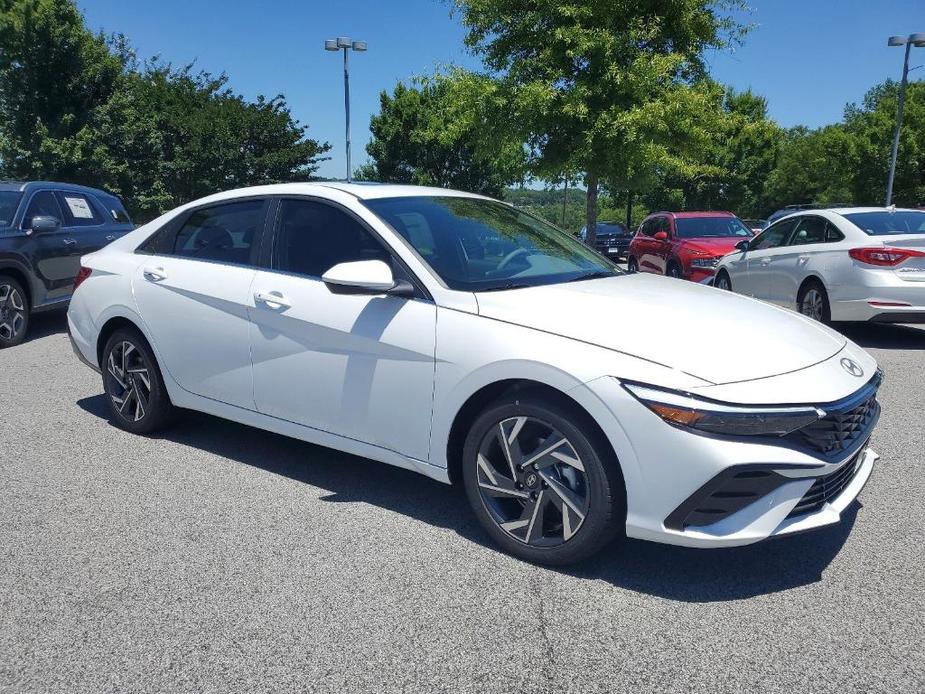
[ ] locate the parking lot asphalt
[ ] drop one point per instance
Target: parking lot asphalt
(220, 558)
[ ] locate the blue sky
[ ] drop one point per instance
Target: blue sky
(808, 58)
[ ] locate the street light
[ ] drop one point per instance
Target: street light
(917, 40)
(345, 44)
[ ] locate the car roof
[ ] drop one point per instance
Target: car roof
(26, 186)
(695, 213)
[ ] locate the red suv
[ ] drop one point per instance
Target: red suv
(685, 244)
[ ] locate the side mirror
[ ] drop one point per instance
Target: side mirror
(43, 225)
(661, 236)
(742, 246)
(365, 277)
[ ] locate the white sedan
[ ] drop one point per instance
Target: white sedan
(845, 264)
(464, 339)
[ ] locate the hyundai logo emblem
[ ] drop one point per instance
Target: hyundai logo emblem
(852, 367)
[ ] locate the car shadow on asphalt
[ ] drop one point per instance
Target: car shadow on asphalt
(883, 335)
(45, 324)
(674, 573)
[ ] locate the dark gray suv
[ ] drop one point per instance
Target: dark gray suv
(45, 228)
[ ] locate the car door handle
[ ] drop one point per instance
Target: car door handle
(272, 300)
(803, 259)
(70, 242)
(765, 261)
(155, 274)
(111, 237)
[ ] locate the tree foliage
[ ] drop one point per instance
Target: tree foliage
(613, 89)
(76, 106)
(430, 133)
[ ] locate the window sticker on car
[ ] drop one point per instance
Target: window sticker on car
(79, 208)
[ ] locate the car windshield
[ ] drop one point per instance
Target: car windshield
(885, 223)
(611, 229)
(476, 245)
(9, 201)
(711, 227)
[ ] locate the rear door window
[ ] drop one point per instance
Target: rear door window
(79, 210)
(774, 236)
(222, 233)
(808, 230)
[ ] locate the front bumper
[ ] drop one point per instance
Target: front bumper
(666, 466)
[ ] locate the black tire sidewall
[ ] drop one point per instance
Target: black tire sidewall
(724, 276)
(606, 517)
(632, 265)
(160, 409)
(6, 279)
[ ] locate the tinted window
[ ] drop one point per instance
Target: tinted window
(116, 210)
(43, 204)
(314, 237)
(480, 245)
(611, 229)
(648, 227)
(832, 234)
(711, 227)
(886, 223)
(662, 224)
(774, 236)
(809, 230)
(79, 210)
(9, 201)
(223, 233)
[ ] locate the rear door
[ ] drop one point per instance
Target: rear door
(804, 253)
(194, 293)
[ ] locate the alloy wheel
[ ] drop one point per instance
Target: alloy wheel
(532, 482)
(129, 381)
(722, 282)
(813, 304)
(12, 312)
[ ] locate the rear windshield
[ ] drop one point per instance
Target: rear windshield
(711, 227)
(9, 201)
(611, 229)
(886, 223)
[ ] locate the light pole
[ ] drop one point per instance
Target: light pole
(917, 40)
(346, 44)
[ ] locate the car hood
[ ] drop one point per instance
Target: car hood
(716, 336)
(715, 246)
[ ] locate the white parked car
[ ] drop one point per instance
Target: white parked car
(459, 337)
(845, 264)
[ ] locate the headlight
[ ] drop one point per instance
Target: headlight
(704, 262)
(683, 409)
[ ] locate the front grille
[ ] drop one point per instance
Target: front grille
(845, 423)
(828, 487)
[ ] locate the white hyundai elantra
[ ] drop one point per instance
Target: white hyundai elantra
(467, 340)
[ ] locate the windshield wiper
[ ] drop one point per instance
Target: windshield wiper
(503, 287)
(599, 274)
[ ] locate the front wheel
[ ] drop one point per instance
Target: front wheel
(135, 391)
(673, 270)
(723, 282)
(14, 312)
(541, 482)
(632, 265)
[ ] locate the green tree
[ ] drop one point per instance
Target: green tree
(430, 133)
(613, 89)
(75, 106)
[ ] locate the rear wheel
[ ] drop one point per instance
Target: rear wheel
(135, 391)
(541, 482)
(814, 302)
(14, 312)
(632, 265)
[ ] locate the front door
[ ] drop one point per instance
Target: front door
(56, 254)
(194, 292)
(353, 365)
(761, 252)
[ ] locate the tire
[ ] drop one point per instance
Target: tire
(631, 265)
(814, 302)
(723, 281)
(14, 312)
(673, 270)
(556, 531)
(130, 372)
